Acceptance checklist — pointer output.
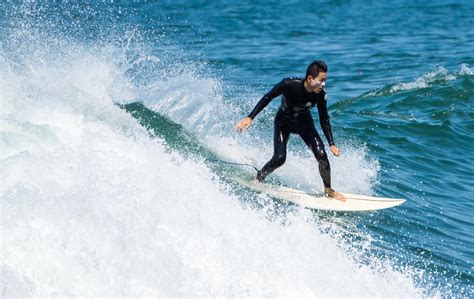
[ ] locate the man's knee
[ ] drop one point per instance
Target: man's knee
(323, 159)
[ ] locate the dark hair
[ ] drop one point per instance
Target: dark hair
(315, 68)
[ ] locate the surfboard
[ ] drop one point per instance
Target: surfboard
(353, 202)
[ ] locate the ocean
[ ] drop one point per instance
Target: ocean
(113, 115)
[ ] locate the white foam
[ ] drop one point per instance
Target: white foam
(92, 206)
(465, 70)
(426, 80)
(187, 99)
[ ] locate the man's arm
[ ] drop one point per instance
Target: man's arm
(245, 123)
(324, 120)
(267, 98)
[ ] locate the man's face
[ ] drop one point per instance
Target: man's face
(317, 83)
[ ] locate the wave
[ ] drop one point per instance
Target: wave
(437, 76)
(93, 206)
(422, 136)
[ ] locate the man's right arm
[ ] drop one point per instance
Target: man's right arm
(267, 98)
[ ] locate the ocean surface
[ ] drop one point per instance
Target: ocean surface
(112, 114)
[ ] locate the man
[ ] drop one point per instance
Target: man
(293, 116)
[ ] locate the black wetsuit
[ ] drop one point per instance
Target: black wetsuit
(294, 117)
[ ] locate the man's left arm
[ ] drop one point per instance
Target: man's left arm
(326, 125)
(324, 120)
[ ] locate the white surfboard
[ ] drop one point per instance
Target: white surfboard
(353, 202)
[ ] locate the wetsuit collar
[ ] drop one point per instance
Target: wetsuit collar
(305, 88)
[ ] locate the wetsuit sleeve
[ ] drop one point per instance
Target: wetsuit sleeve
(324, 120)
(267, 98)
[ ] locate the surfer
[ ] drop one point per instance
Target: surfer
(298, 97)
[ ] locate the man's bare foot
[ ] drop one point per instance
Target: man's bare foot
(259, 178)
(332, 193)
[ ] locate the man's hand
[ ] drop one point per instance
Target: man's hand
(335, 150)
(244, 124)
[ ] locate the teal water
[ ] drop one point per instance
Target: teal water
(102, 92)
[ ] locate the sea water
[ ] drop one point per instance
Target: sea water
(111, 113)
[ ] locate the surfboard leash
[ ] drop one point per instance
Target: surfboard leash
(232, 163)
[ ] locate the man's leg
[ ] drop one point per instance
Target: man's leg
(280, 140)
(314, 142)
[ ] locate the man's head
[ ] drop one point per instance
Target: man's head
(316, 74)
